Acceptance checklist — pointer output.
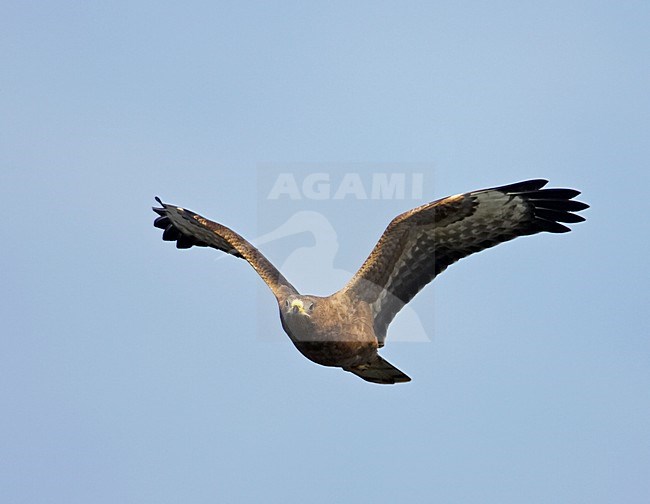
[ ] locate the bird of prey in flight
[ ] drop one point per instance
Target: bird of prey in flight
(347, 328)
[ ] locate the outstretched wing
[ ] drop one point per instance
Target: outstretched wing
(188, 229)
(419, 244)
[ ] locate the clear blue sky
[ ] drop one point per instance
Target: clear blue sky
(132, 372)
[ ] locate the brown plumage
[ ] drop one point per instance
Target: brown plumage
(346, 329)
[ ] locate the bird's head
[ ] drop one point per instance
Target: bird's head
(299, 306)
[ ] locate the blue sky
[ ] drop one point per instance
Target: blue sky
(132, 372)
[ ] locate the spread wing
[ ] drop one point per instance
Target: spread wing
(188, 229)
(419, 244)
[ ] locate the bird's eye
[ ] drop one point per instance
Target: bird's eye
(311, 306)
(286, 303)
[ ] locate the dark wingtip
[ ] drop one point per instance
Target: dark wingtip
(524, 186)
(553, 206)
(551, 226)
(558, 215)
(162, 222)
(538, 183)
(560, 194)
(159, 211)
(170, 232)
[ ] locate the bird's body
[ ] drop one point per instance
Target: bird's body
(337, 332)
(331, 332)
(347, 328)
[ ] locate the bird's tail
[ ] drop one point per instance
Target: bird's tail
(379, 371)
